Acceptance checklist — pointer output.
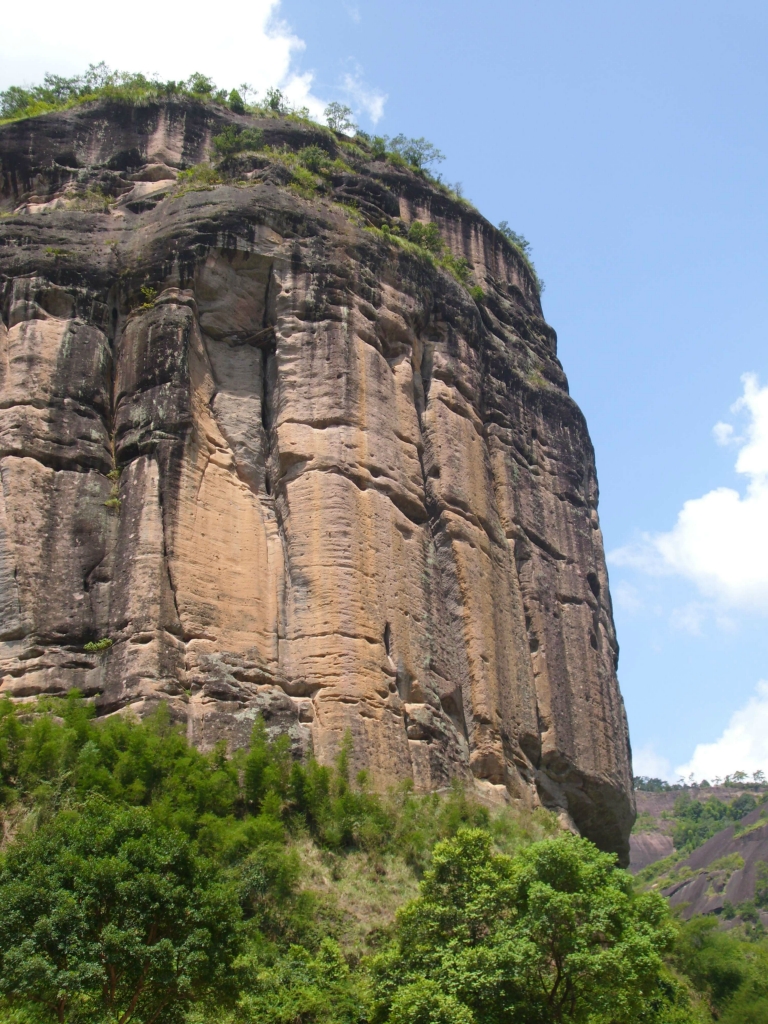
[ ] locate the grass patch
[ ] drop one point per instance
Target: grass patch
(730, 862)
(235, 139)
(303, 183)
(645, 822)
(97, 646)
(425, 241)
(199, 178)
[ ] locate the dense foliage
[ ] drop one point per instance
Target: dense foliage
(105, 912)
(553, 934)
(696, 821)
(142, 880)
(729, 969)
(58, 92)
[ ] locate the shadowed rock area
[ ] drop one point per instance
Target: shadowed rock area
(303, 473)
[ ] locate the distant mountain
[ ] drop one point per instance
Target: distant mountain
(706, 850)
(729, 870)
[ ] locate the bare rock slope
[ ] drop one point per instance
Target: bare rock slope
(302, 474)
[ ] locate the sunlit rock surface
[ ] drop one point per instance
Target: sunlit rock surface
(349, 496)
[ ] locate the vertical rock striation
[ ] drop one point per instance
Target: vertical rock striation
(302, 474)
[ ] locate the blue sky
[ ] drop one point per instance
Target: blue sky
(629, 143)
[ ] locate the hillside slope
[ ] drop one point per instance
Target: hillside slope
(725, 875)
(726, 869)
(656, 821)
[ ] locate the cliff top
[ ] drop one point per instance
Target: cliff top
(233, 143)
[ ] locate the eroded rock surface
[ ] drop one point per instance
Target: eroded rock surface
(303, 474)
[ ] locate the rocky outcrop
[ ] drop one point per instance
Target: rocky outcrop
(648, 847)
(651, 838)
(726, 869)
(302, 474)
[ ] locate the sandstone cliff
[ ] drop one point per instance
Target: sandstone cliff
(302, 473)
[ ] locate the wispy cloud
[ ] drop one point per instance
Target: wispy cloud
(743, 745)
(647, 762)
(720, 540)
(689, 618)
(364, 98)
(627, 596)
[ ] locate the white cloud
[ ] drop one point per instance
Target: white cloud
(647, 762)
(743, 745)
(723, 434)
(689, 618)
(250, 44)
(364, 98)
(720, 541)
(298, 90)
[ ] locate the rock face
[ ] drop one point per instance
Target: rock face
(303, 474)
(646, 848)
(651, 838)
(728, 867)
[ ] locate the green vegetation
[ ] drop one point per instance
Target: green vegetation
(107, 914)
(314, 159)
(645, 822)
(761, 885)
(696, 821)
(730, 862)
(425, 240)
(94, 646)
(235, 102)
(303, 182)
(99, 82)
(338, 117)
(235, 139)
(645, 784)
(416, 153)
(553, 934)
(749, 910)
(728, 969)
(427, 237)
(523, 248)
(198, 178)
(142, 880)
(149, 295)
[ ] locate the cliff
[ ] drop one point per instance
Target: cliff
(289, 466)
